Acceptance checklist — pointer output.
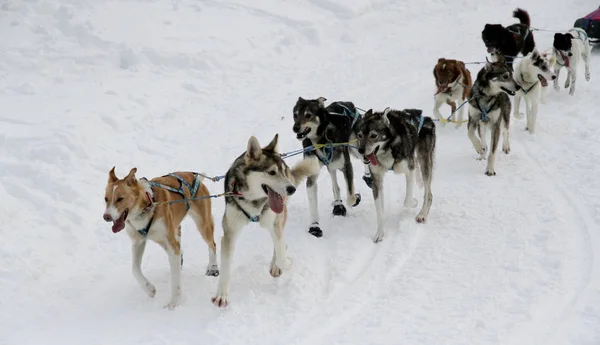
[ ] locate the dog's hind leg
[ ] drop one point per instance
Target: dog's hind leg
(585, 56)
(353, 199)
(231, 230)
(425, 157)
(338, 206)
(311, 191)
(173, 249)
(137, 250)
(205, 225)
(494, 140)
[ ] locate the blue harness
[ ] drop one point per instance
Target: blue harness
(192, 189)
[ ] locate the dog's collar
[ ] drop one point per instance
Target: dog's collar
(526, 91)
(150, 203)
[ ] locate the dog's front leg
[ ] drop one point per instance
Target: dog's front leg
(338, 206)
(137, 250)
(471, 128)
(436, 107)
(460, 113)
(573, 74)
(494, 140)
(586, 59)
(280, 260)
(311, 191)
(379, 208)
(231, 229)
(517, 111)
(557, 72)
(532, 109)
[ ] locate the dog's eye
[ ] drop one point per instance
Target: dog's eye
(359, 135)
(373, 136)
(119, 199)
(105, 199)
(272, 172)
(295, 116)
(308, 116)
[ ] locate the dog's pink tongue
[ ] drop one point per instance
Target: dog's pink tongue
(118, 225)
(490, 50)
(566, 60)
(372, 159)
(275, 201)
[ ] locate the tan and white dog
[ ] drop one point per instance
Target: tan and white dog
(453, 83)
(154, 210)
(261, 182)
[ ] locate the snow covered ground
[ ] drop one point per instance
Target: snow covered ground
(182, 84)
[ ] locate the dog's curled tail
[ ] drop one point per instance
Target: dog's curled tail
(522, 16)
(305, 168)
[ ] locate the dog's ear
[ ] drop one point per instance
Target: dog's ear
(384, 116)
(300, 99)
(130, 178)
(322, 101)
(273, 144)
(112, 177)
(369, 112)
(253, 151)
(535, 54)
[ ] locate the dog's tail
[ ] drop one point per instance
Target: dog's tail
(306, 167)
(522, 16)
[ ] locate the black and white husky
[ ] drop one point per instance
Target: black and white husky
(316, 124)
(489, 107)
(570, 50)
(402, 141)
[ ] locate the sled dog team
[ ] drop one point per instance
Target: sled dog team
(259, 182)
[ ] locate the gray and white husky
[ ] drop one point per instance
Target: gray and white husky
(489, 107)
(259, 183)
(402, 141)
(316, 124)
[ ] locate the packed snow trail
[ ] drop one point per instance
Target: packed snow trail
(182, 85)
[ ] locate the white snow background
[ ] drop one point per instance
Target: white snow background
(181, 85)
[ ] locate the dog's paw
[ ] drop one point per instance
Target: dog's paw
(315, 230)
(212, 271)
(420, 218)
(378, 237)
(587, 76)
(490, 172)
(274, 270)
(339, 210)
(149, 289)
(173, 303)
(410, 203)
(556, 87)
(220, 300)
(506, 149)
(519, 115)
(368, 180)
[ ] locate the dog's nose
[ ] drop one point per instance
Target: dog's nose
(517, 87)
(296, 128)
(361, 150)
(107, 217)
(290, 190)
(553, 77)
(570, 54)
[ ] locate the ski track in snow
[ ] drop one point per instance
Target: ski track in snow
(165, 86)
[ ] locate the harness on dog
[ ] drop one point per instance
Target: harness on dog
(253, 219)
(349, 113)
(517, 31)
(484, 112)
(193, 189)
(527, 91)
(420, 124)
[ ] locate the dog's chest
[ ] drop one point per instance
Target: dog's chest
(487, 113)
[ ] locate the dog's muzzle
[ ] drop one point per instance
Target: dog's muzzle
(296, 128)
(290, 190)
(107, 217)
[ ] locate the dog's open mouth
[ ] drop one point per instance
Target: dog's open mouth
(565, 59)
(510, 92)
(275, 199)
(490, 49)
(303, 134)
(372, 157)
(543, 80)
(119, 224)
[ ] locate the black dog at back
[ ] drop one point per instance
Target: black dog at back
(511, 40)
